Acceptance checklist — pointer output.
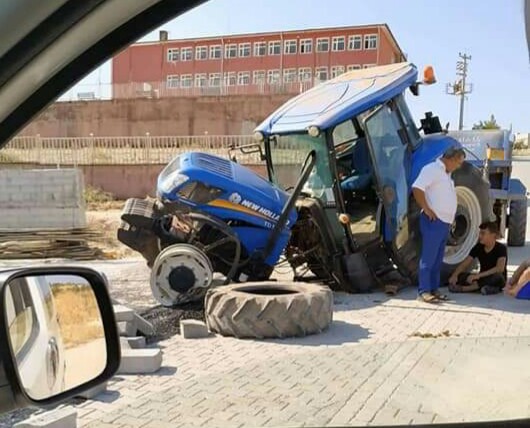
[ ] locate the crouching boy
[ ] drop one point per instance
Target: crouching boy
(492, 257)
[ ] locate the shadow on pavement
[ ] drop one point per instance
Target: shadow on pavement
(339, 333)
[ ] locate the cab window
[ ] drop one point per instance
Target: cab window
(344, 132)
(410, 126)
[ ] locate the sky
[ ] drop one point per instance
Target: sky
(429, 32)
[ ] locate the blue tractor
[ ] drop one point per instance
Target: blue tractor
(337, 204)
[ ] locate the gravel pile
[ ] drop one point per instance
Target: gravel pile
(166, 321)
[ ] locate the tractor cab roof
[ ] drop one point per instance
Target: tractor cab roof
(343, 97)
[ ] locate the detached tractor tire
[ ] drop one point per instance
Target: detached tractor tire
(517, 223)
(474, 207)
(269, 310)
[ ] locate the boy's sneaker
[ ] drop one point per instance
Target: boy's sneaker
(488, 289)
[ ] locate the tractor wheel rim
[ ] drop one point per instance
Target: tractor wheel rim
(465, 228)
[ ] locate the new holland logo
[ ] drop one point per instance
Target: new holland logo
(263, 211)
(235, 198)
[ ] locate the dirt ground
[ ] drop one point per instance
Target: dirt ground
(105, 219)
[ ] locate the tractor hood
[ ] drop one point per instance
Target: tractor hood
(336, 100)
(46, 46)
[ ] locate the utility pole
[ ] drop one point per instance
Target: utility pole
(460, 87)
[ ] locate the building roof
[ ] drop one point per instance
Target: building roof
(384, 26)
(336, 100)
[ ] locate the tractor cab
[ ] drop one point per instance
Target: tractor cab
(357, 199)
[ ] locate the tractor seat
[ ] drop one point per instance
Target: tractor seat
(361, 176)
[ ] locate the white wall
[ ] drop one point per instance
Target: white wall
(41, 199)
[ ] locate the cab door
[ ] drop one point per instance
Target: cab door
(391, 158)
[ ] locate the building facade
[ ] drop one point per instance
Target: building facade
(280, 62)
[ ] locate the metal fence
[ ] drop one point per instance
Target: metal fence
(153, 90)
(117, 150)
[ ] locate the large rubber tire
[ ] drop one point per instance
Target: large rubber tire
(474, 201)
(517, 223)
(267, 310)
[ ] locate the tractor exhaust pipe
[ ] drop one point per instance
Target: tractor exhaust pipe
(309, 164)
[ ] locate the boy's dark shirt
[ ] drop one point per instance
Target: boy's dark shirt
(489, 260)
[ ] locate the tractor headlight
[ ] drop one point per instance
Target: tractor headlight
(313, 131)
(259, 136)
(172, 181)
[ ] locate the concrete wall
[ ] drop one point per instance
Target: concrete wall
(41, 199)
(123, 181)
(227, 115)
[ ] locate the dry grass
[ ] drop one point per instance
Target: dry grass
(98, 200)
(79, 316)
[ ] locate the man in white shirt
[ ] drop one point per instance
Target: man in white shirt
(435, 193)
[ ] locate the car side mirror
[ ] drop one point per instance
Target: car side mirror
(58, 335)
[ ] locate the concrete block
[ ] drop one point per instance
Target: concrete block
(193, 329)
(38, 199)
(123, 313)
(127, 328)
(94, 392)
(143, 326)
(140, 361)
(136, 342)
(58, 418)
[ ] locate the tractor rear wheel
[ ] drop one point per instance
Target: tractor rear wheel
(517, 223)
(474, 207)
(266, 310)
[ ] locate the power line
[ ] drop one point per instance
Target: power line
(460, 87)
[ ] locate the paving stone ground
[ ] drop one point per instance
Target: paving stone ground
(370, 367)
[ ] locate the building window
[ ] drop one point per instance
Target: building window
(260, 49)
(370, 41)
(172, 81)
(338, 44)
(273, 76)
(321, 73)
(306, 46)
(305, 74)
(230, 78)
(200, 80)
(290, 47)
(337, 70)
(355, 43)
(354, 67)
(258, 77)
(231, 51)
(186, 54)
(369, 65)
(214, 80)
(243, 78)
(186, 81)
(172, 55)
(244, 50)
(201, 53)
(323, 45)
(275, 48)
(289, 75)
(215, 52)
